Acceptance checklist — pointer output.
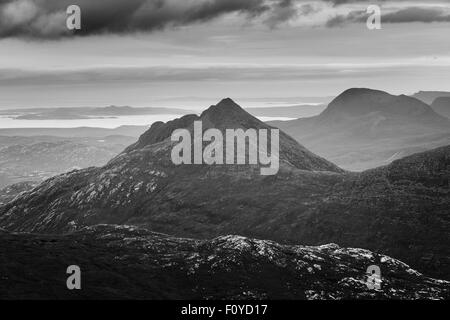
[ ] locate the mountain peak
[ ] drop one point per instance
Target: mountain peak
(225, 114)
(358, 94)
(226, 103)
(357, 102)
(361, 91)
(228, 114)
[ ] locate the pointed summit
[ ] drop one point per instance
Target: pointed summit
(160, 131)
(227, 102)
(227, 114)
(225, 105)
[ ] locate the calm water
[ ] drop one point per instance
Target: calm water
(7, 122)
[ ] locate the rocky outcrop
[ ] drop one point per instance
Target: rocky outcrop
(131, 263)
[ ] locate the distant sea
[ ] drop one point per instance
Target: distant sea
(8, 122)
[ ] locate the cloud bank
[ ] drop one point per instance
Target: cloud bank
(47, 18)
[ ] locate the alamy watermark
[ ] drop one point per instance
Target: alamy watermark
(373, 281)
(73, 282)
(240, 147)
(374, 19)
(73, 21)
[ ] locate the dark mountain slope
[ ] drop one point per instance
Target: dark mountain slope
(8, 193)
(129, 263)
(357, 102)
(401, 209)
(144, 186)
(400, 214)
(442, 106)
(364, 128)
(228, 115)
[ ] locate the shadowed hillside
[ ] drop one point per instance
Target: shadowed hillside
(442, 106)
(363, 128)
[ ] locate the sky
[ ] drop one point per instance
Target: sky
(190, 52)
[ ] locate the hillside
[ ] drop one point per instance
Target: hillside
(38, 158)
(442, 106)
(363, 129)
(121, 262)
(8, 193)
(429, 96)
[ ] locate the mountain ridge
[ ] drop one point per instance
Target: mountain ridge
(229, 115)
(362, 101)
(429, 96)
(365, 128)
(376, 209)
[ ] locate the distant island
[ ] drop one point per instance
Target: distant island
(79, 113)
(87, 112)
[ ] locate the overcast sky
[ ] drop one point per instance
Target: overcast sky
(148, 52)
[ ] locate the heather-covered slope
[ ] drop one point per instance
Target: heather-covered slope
(129, 263)
(8, 193)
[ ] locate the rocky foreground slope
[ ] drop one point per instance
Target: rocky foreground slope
(131, 263)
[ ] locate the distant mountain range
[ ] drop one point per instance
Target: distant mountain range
(37, 158)
(122, 262)
(81, 132)
(296, 111)
(86, 112)
(429, 96)
(293, 111)
(364, 128)
(400, 209)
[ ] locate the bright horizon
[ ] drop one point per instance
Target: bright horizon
(295, 48)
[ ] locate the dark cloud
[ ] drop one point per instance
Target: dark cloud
(368, 2)
(46, 18)
(352, 17)
(406, 15)
(281, 12)
(417, 14)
